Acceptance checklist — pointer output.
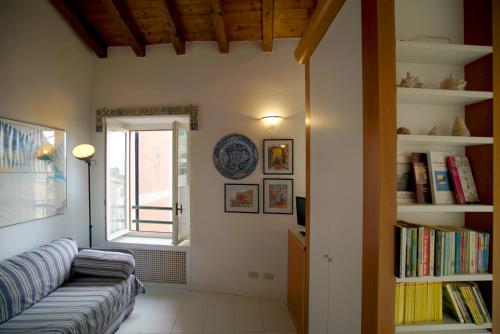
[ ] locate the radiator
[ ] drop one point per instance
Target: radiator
(162, 266)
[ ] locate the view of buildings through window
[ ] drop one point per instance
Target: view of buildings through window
(151, 181)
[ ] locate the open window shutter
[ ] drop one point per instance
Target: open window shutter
(117, 175)
(181, 205)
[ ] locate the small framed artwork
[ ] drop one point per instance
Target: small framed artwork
(242, 198)
(278, 156)
(278, 196)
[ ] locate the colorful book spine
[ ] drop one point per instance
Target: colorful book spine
(421, 178)
(455, 180)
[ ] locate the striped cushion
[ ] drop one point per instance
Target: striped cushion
(27, 278)
(85, 305)
(97, 263)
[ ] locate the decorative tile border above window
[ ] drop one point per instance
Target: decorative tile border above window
(190, 110)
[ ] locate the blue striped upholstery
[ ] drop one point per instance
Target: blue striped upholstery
(85, 305)
(103, 264)
(27, 278)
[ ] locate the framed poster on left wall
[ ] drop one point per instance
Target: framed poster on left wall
(32, 172)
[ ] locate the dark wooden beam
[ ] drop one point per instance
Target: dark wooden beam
(119, 11)
(81, 27)
(166, 15)
(267, 25)
(218, 21)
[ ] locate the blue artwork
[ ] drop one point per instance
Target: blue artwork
(235, 156)
(32, 172)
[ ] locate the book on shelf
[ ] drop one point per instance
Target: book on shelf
(418, 302)
(421, 178)
(406, 185)
(462, 179)
(464, 302)
(423, 251)
(438, 177)
(441, 188)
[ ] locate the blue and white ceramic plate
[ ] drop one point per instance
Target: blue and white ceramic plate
(235, 156)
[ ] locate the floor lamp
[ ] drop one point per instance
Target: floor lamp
(85, 152)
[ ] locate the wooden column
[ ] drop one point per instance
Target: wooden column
(379, 163)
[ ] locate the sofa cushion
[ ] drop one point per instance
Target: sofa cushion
(27, 278)
(84, 305)
(98, 263)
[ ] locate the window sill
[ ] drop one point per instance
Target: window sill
(127, 241)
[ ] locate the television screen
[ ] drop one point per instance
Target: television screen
(301, 210)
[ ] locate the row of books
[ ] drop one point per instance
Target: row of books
(435, 177)
(440, 250)
(418, 302)
(465, 303)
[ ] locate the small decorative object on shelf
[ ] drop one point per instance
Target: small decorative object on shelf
(403, 131)
(459, 128)
(434, 132)
(431, 39)
(451, 83)
(411, 81)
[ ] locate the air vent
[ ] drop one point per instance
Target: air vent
(162, 266)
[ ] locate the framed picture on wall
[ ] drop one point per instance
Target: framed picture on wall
(278, 196)
(278, 156)
(241, 198)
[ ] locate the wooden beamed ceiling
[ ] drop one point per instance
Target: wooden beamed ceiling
(137, 23)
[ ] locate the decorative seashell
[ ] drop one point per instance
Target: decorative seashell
(451, 83)
(411, 81)
(403, 131)
(459, 128)
(434, 132)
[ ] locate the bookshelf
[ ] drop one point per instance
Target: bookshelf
(440, 96)
(474, 31)
(448, 324)
(436, 53)
(451, 278)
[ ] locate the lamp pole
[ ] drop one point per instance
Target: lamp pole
(89, 163)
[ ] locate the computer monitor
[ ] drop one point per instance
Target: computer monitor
(301, 210)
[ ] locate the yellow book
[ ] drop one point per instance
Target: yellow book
(409, 303)
(419, 301)
(425, 301)
(402, 303)
(431, 303)
(439, 294)
(396, 306)
(478, 319)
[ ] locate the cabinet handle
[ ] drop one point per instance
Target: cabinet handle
(330, 260)
(325, 256)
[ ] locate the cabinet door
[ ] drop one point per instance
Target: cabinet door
(296, 281)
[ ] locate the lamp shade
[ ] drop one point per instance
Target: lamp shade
(83, 151)
(272, 121)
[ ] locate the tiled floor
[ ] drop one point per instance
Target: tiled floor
(166, 310)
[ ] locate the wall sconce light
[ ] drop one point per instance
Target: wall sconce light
(272, 122)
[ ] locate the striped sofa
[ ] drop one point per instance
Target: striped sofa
(57, 289)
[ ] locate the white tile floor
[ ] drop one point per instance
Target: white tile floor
(168, 310)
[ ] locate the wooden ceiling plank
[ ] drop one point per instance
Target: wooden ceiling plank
(165, 13)
(218, 21)
(123, 17)
(81, 27)
(267, 25)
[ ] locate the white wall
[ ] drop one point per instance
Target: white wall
(232, 91)
(45, 78)
(337, 176)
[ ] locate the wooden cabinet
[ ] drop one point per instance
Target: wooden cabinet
(297, 279)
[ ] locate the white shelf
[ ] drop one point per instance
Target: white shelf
(435, 208)
(440, 96)
(448, 324)
(451, 278)
(444, 140)
(437, 53)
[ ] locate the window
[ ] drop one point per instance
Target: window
(147, 179)
(151, 181)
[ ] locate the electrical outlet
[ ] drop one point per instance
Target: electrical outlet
(253, 275)
(268, 276)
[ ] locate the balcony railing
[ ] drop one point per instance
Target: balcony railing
(137, 222)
